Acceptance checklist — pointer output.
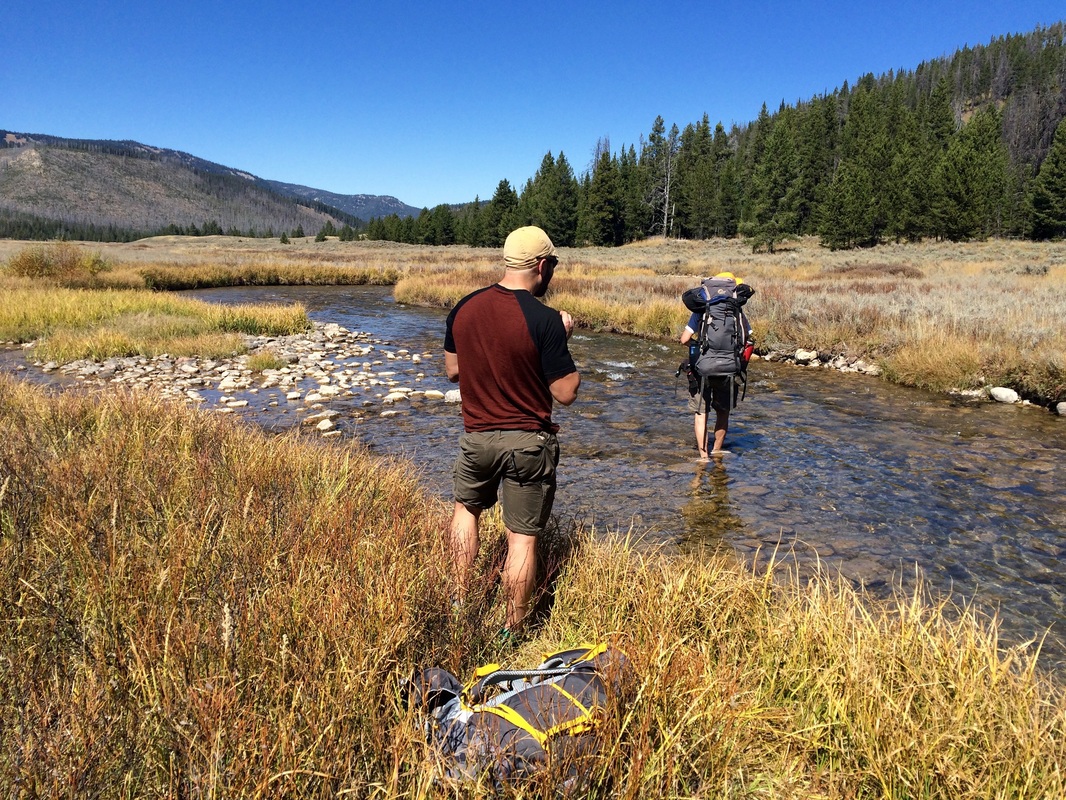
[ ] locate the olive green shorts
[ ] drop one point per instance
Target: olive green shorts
(523, 462)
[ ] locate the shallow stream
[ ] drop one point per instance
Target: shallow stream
(873, 478)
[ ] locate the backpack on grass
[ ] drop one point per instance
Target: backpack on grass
(511, 723)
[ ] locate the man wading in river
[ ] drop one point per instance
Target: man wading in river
(724, 339)
(509, 354)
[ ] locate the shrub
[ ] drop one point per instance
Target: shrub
(62, 261)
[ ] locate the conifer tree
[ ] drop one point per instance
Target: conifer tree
(604, 218)
(817, 135)
(752, 146)
(500, 214)
(1047, 194)
(540, 196)
(635, 210)
(438, 226)
(726, 192)
(773, 190)
(567, 206)
(903, 194)
(971, 180)
(472, 228)
(844, 224)
(657, 162)
(696, 182)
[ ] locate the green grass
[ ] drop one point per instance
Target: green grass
(195, 608)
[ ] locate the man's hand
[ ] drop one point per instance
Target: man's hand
(568, 322)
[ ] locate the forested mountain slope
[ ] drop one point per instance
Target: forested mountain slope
(93, 189)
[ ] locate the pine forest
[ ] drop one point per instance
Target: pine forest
(961, 148)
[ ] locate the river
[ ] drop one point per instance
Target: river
(873, 480)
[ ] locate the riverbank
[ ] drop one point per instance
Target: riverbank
(199, 608)
(946, 317)
(299, 373)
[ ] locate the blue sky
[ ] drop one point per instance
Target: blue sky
(436, 102)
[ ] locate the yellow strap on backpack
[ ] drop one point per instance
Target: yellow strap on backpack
(582, 723)
(480, 673)
(516, 719)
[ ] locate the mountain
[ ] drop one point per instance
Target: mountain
(89, 188)
(363, 206)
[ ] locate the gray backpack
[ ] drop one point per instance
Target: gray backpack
(510, 724)
(720, 337)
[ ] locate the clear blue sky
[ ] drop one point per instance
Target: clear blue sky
(436, 102)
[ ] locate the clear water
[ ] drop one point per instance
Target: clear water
(870, 478)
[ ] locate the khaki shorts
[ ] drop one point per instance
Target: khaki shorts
(523, 461)
(721, 393)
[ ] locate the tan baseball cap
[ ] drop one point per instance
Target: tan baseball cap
(526, 246)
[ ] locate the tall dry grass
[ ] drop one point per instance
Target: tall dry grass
(936, 315)
(196, 609)
(74, 323)
(933, 315)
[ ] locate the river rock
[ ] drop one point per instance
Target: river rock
(1060, 409)
(1001, 394)
(436, 394)
(806, 356)
(314, 419)
(453, 396)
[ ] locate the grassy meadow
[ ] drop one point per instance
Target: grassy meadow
(939, 316)
(193, 608)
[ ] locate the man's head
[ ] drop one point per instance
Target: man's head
(529, 248)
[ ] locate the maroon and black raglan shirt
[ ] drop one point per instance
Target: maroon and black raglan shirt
(510, 347)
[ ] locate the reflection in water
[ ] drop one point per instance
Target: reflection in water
(711, 519)
(870, 479)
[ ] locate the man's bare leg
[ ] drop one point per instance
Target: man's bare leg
(463, 543)
(700, 427)
(519, 576)
(721, 427)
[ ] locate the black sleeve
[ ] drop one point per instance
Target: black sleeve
(549, 335)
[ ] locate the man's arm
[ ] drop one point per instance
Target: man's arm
(451, 366)
(564, 389)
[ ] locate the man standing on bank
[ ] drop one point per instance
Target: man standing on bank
(509, 354)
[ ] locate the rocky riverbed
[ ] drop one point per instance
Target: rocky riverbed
(814, 358)
(331, 361)
(327, 362)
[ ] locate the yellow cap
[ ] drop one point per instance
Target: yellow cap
(526, 246)
(729, 275)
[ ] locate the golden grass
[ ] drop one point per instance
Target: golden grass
(193, 608)
(911, 308)
(264, 360)
(933, 315)
(74, 324)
